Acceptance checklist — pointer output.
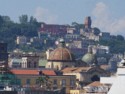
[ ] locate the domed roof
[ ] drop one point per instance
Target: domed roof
(61, 54)
(89, 58)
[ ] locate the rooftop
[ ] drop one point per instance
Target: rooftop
(31, 72)
(96, 84)
(76, 69)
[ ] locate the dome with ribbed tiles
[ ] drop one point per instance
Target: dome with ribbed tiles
(61, 54)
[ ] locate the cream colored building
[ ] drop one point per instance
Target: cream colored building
(85, 75)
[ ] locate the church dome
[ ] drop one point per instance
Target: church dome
(89, 58)
(61, 54)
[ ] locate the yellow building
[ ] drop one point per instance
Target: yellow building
(28, 78)
(77, 91)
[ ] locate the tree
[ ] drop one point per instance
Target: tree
(74, 23)
(96, 31)
(6, 19)
(120, 38)
(32, 20)
(7, 77)
(1, 20)
(78, 26)
(23, 19)
(43, 81)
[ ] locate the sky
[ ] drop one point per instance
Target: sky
(107, 15)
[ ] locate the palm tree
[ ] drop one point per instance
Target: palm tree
(43, 81)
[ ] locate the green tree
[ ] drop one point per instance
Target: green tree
(7, 77)
(6, 19)
(1, 21)
(23, 19)
(32, 20)
(96, 31)
(43, 81)
(120, 38)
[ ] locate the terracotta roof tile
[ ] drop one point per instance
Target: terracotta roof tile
(32, 72)
(105, 67)
(28, 72)
(96, 84)
(61, 54)
(75, 69)
(48, 72)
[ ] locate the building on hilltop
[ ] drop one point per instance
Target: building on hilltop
(88, 22)
(21, 40)
(89, 32)
(53, 29)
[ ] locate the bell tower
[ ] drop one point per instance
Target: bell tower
(88, 22)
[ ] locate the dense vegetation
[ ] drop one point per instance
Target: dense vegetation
(116, 44)
(9, 30)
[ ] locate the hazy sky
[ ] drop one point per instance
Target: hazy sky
(108, 15)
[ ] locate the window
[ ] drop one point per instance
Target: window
(29, 64)
(32, 64)
(18, 81)
(35, 65)
(63, 82)
(28, 81)
(55, 84)
(55, 81)
(72, 83)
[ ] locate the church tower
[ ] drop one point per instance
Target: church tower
(88, 22)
